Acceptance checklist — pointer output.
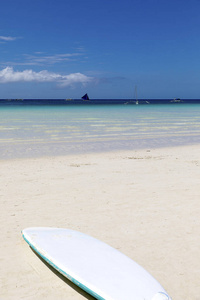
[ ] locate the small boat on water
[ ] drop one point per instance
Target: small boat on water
(176, 100)
(86, 97)
(136, 99)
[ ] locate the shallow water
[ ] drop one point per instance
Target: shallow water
(31, 131)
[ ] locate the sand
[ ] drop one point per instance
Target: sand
(144, 203)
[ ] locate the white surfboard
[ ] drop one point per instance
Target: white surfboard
(94, 266)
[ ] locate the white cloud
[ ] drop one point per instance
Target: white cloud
(75, 78)
(50, 59)
(39, 59)
(7, 38)
(9, 75)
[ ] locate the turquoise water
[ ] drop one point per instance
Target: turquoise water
(29, 131)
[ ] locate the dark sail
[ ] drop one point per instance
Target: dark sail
(85, 97)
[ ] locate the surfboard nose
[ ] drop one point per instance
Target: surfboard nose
(161, 296)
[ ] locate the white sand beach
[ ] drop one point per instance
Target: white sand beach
(144, 203)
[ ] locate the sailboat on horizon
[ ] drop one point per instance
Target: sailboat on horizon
(86, 97)
(136, 99)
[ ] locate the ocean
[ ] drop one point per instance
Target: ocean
(34, 128)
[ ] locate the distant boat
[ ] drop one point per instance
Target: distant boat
(86, 97)
(141, 101)
(136, 99)
(176, 100)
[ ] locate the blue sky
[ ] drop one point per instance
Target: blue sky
(64, 48)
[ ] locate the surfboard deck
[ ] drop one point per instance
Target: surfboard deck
(94, 266)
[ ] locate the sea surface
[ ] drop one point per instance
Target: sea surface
(55, 128)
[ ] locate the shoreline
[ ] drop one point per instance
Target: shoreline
(143, 202)
(62, 149)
